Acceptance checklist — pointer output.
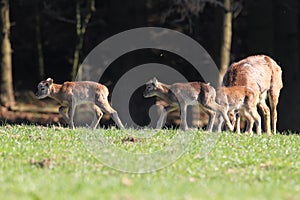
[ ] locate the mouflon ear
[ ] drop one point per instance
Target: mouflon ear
(155, 81)
(50, 81)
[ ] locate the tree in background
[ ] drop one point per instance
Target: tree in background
(39, 43)
(189, 8)
(82, 20)
(226, 40)
(6, 83)
(76, 16)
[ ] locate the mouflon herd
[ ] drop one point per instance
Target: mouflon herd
(246, 86)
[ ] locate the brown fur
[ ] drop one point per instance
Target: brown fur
(70, 94)
(262, 74)
(180, 95)
(242, 99)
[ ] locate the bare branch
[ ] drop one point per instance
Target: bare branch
(48, 10)
(187, 8)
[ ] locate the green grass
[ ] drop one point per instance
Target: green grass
(238, 167)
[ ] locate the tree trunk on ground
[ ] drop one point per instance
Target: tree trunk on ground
(226, 40)
(6, 83)
(80, 32)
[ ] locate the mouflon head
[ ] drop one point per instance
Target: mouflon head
(151, 88)
(43, 88)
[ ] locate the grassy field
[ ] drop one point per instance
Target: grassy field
(53, 163)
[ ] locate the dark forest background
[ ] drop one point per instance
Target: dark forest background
(49, 38)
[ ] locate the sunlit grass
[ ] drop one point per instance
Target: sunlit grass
(53, 163)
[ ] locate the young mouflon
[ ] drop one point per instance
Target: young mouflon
(71, 94)
(240, 100)
(180, 95)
